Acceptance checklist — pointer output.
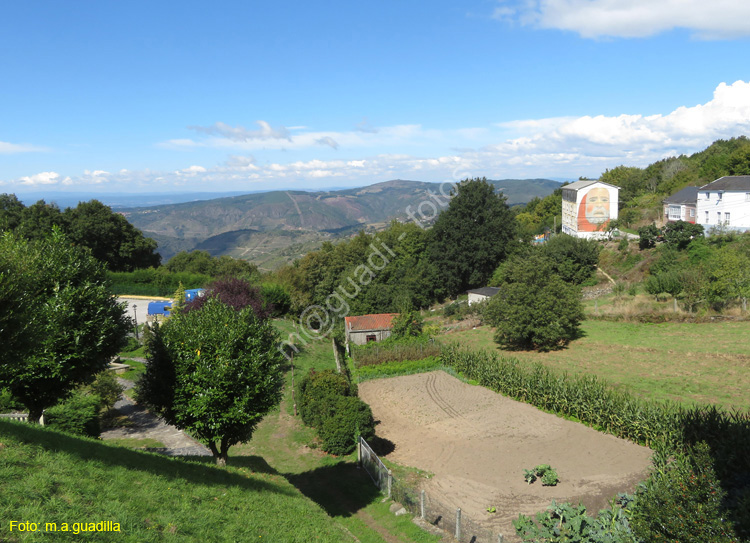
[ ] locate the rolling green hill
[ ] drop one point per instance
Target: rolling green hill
(259, 226)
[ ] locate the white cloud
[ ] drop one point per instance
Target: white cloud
(718, 19)
(42, 178)
(549, 147)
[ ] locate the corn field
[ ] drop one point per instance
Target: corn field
(594, 402)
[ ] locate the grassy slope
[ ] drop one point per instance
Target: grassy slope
(46, 476)
(343, 490)
(685, 362)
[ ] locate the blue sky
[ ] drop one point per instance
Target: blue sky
(187, 96)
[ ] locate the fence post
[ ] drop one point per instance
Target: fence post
(359, 452)
(499, 538)
(458, 524)
(421, 505)
(390, 482)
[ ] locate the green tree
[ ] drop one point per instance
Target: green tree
(11, 211)
(60, 324)
(407, 324)
(193, 262)
(214, 372)
(575, 259)
(471, 237)
(681, 233)
(111, 238)
(535, 308)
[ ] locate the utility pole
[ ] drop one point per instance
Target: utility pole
(135, 319)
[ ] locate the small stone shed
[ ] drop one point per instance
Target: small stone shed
(482, 294)
(366, 328)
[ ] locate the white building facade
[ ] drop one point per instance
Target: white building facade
(725, 203)
(587, 208)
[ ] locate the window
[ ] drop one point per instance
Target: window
(692, 212)
(726, 218)
(708, 196)
(371, 337)
(718, 217)
(719, 195)
(674, 213)
(706, 217)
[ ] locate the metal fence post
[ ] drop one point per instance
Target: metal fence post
(458, 524)
(390, 482)
(421, 504)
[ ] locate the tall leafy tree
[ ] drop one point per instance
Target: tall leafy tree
(111, 238)
(472, 236)
(215, 372)
(535, 308)
(59, 323)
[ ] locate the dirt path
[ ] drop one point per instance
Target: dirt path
(144, 425)
(478, 443)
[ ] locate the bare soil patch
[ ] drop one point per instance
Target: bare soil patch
(478, 443)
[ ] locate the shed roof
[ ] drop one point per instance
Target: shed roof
(485, 291)
(729, 182)
(688, 195)
(380, 321)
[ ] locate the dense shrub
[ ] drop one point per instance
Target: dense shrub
(349, 417)
(8, 403)
(575, 259)
(79, 414)
(682, 501)
(648, 236)
(154, 281)
(106, 388)
(277, 297)
(318, 393)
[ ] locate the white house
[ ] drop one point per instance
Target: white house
(681, 205)
(587, 208)
(725, 203)
(482, 294)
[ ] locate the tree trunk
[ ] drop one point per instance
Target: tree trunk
(220, 456)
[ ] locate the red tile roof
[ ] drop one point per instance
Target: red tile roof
(382, 321)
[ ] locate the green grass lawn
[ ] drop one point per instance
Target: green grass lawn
(50, 477)
(684, 362)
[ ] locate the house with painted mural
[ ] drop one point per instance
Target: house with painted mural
(587, 208)
(725, 203)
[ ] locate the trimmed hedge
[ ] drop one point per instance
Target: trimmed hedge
(329, 403)
(349, 417)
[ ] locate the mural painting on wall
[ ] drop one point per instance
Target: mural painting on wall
(594, 211)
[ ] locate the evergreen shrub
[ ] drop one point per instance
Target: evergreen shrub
(78, 414)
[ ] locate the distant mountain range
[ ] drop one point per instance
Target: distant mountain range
(271, 228)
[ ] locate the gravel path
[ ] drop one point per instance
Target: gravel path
(145, 425)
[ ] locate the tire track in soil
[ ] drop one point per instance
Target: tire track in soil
(435, 396)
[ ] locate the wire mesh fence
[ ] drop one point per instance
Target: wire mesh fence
(447, 517)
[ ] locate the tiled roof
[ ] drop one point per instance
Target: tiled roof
(729, 182)
(485, 291)
(688, 195)
(381, 321)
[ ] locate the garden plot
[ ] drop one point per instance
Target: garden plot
(478, 443)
